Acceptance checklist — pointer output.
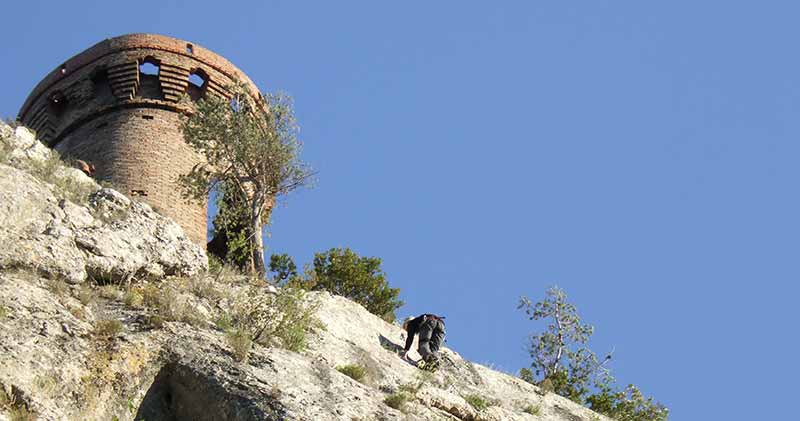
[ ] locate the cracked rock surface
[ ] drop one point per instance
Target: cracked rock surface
(109, 238)
(73, 350)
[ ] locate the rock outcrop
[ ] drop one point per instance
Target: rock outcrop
(151, 343)
(107, 238)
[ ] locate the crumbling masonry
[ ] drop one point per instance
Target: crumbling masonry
(118, 105)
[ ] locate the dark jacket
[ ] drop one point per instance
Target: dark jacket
(414, 325)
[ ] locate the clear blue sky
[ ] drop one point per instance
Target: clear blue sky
(643, 155)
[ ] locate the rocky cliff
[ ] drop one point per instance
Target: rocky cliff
(108, 312)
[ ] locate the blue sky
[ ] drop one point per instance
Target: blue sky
(642, 155)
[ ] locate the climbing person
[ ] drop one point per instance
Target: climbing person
(430, 328)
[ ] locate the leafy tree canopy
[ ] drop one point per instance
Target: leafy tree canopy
(343, 272)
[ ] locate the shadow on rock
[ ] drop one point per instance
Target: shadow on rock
(180, 393)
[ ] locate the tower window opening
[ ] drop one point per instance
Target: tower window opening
(189, 48)
(63, 69)
(99, 78)
(149, 67)
(198, 80)
(58, 103)
(149, 80)
(147, 117)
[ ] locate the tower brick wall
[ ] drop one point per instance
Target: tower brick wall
(119, 104)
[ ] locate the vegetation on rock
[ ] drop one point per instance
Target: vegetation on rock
(564, 364)
(251, 148)
(341, 271)
(354, 371)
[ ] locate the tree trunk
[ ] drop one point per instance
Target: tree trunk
(257, 240)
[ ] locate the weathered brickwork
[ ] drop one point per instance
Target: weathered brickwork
(119, 104)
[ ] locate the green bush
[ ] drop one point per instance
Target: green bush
(283, 267)
(628, 404)
(479, 402)
(533, 410)
(354, 371)
(398, 400)
(343, 272)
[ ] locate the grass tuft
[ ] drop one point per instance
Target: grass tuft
(398, 400)
(240, 344)
(479, 402)
(533, 410)
(107, 329)
(354, 371)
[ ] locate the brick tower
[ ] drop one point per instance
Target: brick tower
(118, 105)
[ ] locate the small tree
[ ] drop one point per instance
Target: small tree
(249, 146)
(345, 273)
(564, 363)
(283, 266)
(627, 405)
(560, 354)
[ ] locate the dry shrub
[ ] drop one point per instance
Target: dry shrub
(110, 292)
(168, 304)
(107, 329)
(240, 343)
(133, 298)
(85, 295)
(281, 319)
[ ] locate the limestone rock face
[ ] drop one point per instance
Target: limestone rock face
(108, 238)
(73, 350)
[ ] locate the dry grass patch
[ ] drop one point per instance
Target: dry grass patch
(77, 312)
(16, 409)
(133, 298)
(110, 292)
(107, 329)
(240, 344)
(85, 295)
(58, 287)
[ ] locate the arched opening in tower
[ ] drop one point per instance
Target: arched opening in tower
(100, 83)
(198, 81)
(149, 84)
(57, 104)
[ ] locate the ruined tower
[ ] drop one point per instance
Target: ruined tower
(118, 105)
